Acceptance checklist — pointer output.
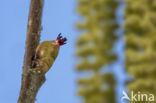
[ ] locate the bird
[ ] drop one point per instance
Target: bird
(46, 53)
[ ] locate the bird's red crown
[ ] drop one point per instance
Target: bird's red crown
(61, 40)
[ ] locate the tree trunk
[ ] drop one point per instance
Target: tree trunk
(31, 82)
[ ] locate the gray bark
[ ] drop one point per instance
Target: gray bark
(31, 82)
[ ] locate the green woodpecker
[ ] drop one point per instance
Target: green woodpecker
(46, 54)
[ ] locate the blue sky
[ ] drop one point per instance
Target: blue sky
(58, 16)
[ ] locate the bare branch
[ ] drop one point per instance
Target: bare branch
(31, 82)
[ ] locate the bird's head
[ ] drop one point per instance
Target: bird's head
(60, 40)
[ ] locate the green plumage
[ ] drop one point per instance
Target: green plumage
(46, 54)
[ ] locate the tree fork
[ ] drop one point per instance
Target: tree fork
(31, 82)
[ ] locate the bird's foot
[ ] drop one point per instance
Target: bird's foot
(35, 70)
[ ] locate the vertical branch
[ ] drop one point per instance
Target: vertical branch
(31, 82)
(33, 32)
